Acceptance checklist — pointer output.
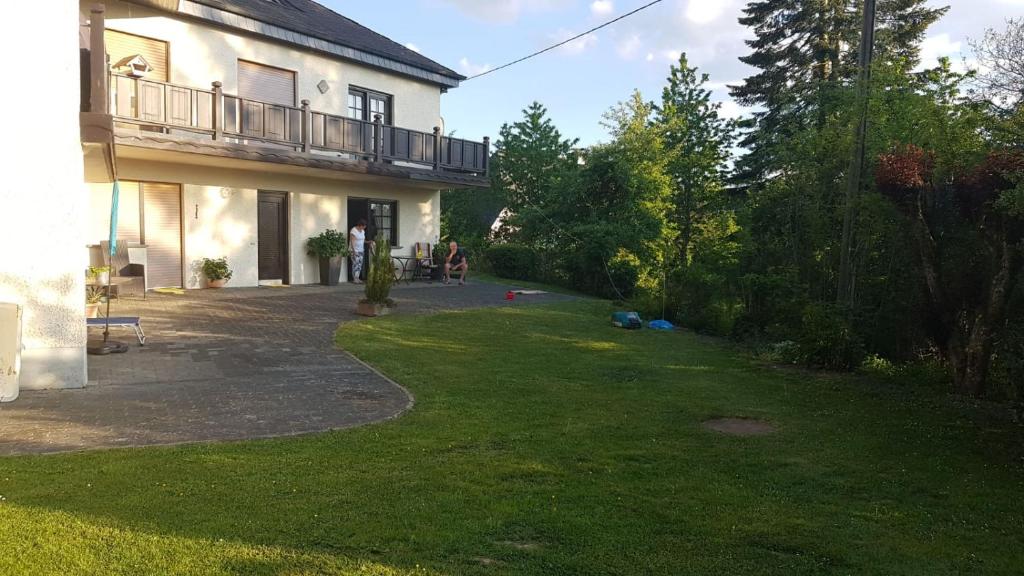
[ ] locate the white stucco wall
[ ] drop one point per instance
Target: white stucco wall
(225, 201)
(43, 200)
(201, 54)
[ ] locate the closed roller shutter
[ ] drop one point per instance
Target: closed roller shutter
(162, 214)
(121, 45)
(266, 83)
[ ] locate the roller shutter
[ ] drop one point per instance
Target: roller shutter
(122, 45)
(162, 215)
(266, 83)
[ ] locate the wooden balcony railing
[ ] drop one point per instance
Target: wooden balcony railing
(226, 117)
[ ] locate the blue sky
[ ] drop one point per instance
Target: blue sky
(579, 82)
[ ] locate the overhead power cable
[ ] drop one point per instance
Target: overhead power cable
(563, 42)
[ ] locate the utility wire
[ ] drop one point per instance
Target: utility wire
(563, 42)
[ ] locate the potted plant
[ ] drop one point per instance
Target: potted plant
(440, 253)
(93, 298)
(216, 271)
(99, 274)
(379, 278)
(329, 248)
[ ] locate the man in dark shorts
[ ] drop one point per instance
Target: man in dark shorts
(456, 260)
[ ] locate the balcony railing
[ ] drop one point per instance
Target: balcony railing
(232, 118)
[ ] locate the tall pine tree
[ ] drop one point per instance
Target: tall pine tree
(803, 50)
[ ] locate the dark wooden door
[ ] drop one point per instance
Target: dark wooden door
(272, 233)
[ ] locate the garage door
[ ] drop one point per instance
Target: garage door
(266, 83)
(162, 216)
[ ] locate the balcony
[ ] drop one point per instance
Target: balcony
(165, 112)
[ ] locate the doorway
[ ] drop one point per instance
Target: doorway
(272, 236)
(161, 232)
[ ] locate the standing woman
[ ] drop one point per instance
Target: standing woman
(357, 241)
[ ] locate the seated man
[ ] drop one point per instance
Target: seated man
(455, 260)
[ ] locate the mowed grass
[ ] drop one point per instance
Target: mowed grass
(545, 442)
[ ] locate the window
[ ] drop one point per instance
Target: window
(385, 216)
(365, 104)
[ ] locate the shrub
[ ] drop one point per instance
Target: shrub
(327, 244)
(216, 269)
(513, 261)
(623, 274)
(827, 340)
(381, 274)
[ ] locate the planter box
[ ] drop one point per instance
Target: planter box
(92, 310)
(216, 283)
(330, 270)
(364, 308)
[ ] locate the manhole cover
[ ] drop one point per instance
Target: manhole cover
(739, 426)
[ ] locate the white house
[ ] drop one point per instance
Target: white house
(237, 129)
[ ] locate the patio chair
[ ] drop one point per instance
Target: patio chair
(130, 278)
(424, 259)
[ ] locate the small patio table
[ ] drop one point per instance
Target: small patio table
(405, 265)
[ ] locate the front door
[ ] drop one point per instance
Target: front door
(272, 235)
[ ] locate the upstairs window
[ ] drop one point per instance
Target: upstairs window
(365, 104)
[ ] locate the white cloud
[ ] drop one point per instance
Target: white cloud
(730, 109)
(705, 11)
(601, 7)
(506, 10)
(577, 46)
(470, 69)
(649, 57)
(672, 55)
(935, 47)
(629, 47)
(412, 47)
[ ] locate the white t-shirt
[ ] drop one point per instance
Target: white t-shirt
(360, 239)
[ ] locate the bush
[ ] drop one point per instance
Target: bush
(327, 244)
(381, 274)
(513, 261)
(216, 269)
(623, 274)
(827, 340)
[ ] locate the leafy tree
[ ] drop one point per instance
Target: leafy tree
(532, 164)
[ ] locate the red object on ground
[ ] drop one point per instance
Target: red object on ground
(510, 295)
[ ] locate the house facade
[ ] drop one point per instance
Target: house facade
(236, 129)
(256, 124)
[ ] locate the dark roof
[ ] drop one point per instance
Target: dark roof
(308, 17)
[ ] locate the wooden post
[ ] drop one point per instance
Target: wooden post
(845, 291)
(437, 147)
(378, 138)
(307, 127)
(218, 111)
(98, 76)
(487, 154)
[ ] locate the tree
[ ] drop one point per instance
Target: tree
(967, 236)
(805, 50)
(532, 165)
(697, 142)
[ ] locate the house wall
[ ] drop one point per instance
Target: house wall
(219, 215)
(43, 200)
(201, 54)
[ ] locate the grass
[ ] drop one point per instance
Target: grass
(545, 442)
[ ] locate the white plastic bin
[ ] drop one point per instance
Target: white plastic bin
(10, 350)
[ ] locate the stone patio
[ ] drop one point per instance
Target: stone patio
(228, 364)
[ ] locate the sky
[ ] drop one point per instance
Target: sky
(582, 80)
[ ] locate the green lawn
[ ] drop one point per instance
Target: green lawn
(545, 442)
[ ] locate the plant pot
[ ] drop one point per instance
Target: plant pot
(103, 278)
(216, 283)
(330, 270)
(364, 308)
(92, 310)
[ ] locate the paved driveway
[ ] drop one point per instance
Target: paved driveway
(228, 364)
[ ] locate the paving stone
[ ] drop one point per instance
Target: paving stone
(228, 364)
